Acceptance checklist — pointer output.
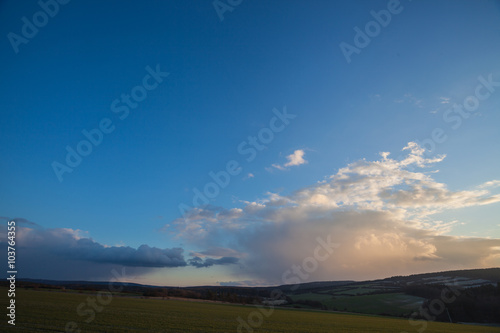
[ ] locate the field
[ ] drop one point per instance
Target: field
(394, 304)
(50, 311)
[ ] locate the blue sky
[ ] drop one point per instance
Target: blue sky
(225, 78)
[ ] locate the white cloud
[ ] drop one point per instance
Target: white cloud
(279, 167)
(294, 159)
(491, 183)
(248, 176)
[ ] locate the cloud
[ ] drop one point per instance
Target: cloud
(214, 256)
(199, 263)
(248, 176)
(444, 100)
(69, 244)
(67, 254)
(410, 99)
(19, 220)
(491, 183)
(375, 97)
(217, 252)
(382, 213)
(294, 159)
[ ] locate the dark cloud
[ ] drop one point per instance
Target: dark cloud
(19, 220)
(63, 254)
(217, 252)
(144, 256)
(68, 254)
(199, 262)
(67, 243)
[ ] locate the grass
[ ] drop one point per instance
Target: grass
(43, 311)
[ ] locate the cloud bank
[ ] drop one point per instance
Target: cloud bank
(64, 254)
(380, 212)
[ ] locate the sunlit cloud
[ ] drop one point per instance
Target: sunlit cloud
(381, 213)
(294, 159)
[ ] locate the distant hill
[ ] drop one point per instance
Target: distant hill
(80, 283)
(489, 274)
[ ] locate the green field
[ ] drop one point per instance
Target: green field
(311, 296)
(394, 304)
(44, 311)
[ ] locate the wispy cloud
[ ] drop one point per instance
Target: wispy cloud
(491, 183)
(248, 176)
(444, 100)
(410, 99)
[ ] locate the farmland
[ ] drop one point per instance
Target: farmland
(51, 311)
(395, 304)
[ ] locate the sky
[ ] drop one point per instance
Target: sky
(249, 142)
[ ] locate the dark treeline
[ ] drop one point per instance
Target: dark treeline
(243, 295)
(230, 295)
(492, 274)
(478, 305)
